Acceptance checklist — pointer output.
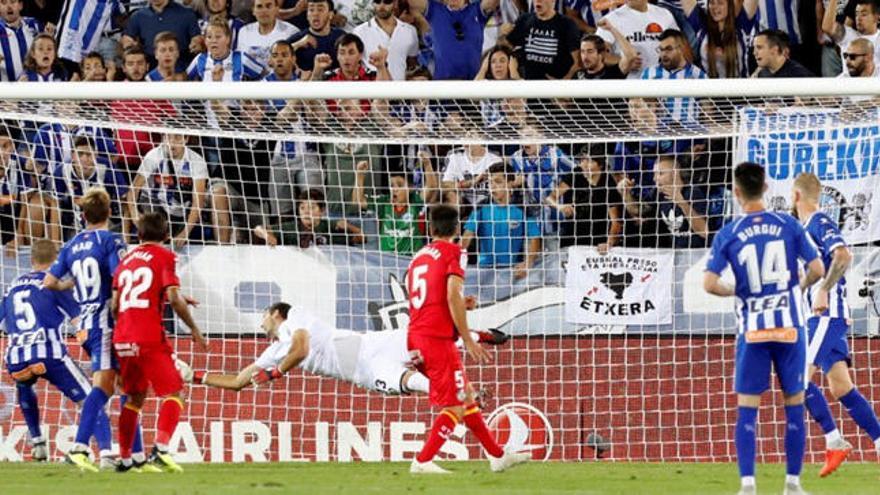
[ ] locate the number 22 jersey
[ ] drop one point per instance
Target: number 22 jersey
(140, 281)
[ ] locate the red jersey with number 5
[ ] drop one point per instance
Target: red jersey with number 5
(140, 282)
(426, 280)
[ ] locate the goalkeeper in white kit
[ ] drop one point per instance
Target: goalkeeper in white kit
(377, 361)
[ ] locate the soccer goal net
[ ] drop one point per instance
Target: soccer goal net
(587, 211)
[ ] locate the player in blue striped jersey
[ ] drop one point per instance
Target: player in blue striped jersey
(828, 327)
(764, 249)
(90, 259)
(16, 35)
(33, 318)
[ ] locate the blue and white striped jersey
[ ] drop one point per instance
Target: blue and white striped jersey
(827, 237)
(764, 249)
(33, 317)
(83, 23)
(91, 258)
(14, 45)
(782, 15)
(683, 110)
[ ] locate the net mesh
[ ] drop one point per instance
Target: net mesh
(587, 223)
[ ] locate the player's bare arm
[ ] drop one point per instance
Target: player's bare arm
(458, 308)
(840, 261)
(228, 381)
(52, 282)
(815, 271)
(713, 285)
(180, 305)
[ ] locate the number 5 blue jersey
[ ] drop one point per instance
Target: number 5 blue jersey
(827, 237)
(763, 249)
(91, 258)
(33, 317)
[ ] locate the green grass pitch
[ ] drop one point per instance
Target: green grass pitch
(392, 478)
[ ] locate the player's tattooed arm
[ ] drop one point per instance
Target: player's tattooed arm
(840, 262)
(815, 271)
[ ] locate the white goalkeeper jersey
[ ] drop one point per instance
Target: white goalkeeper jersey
(324, 340)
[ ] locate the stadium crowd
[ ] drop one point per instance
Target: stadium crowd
(516, 200)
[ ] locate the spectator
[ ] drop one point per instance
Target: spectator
(641, 22)
(282, 66)
(588, 203)
(499, 64)
(772, 56)
(722, 35)
(218, 9)
(504, 235)
(350, 55)
(135, 64)
(167, 53)
(174, 178)
(593, 53)
(94, 69)
(82, 26)
(676, 214)
(415, 117)
(320, 39)
(257, 38)
(457, 33)
(19, 33)
(384, 29)
(859, 62)
(351, 13)
(246, 165)
(401, 213)
(866, 19)
(74, 178)
(784, 16)
(41, 63)
(676, 63)
(634, 160)
(465, 175)
(341, 159)
(11, 164)
(48, 12)
(539, 168)
(164, 15)
(312, 228)
(549, 42)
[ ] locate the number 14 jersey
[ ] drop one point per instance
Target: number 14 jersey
(140, 281)
(763, 249)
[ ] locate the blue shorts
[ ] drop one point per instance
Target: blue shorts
(828, 343)
(754, 362)
(99, 346)
(63, 373)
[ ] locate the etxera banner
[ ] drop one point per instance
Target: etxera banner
(624, 287)
(844, 155)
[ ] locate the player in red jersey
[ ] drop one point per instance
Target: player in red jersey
(438, 316)
(144, 280)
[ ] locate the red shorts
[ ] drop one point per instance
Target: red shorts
(143, 365)
(441, 363)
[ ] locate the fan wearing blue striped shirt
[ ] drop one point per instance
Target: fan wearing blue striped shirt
(15, 39)
(828, 324)
(676, 62)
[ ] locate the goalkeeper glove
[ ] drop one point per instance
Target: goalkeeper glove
(263, 376)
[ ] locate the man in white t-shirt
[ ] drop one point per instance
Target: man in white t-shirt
(641, 23)
(257, 38)
(386, 30)
(174, 179)
(465, 175)
(377, 361)
(867, 16)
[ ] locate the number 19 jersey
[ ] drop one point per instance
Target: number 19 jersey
(763, 249)
(426, 280)
(140, 281)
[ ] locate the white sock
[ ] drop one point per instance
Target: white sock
(162, 447)
(747, 481)
(877, 444)
(78, 447)
(125, 462)
(792, 480)
(832, 436)
(417, 382)
(138, 457)
(38, 440)
(105, 453)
